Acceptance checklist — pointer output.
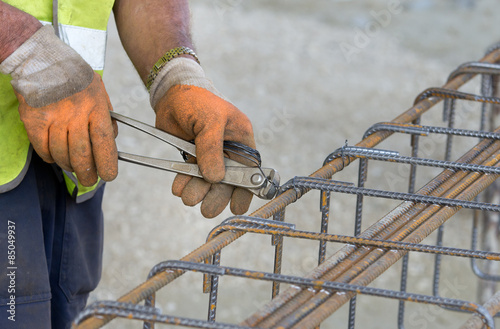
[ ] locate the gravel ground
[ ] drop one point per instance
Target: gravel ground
(310, 75)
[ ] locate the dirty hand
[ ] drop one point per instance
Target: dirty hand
(64, 107)
(188, 105)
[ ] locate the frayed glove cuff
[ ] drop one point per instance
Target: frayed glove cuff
(45, 70)
(180, 71)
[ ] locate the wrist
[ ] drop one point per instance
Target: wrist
(167, 57)
(17, 27)
(45, 70)
(180, 71)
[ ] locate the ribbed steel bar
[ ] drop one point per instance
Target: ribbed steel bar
(414, 142)
(384, 261)
(446, 181)
(277, 242)
(333, 186)
(492, 306)
(207, 250)
(449, 115)
(259, 223)
(416, 130)
(256, 223)
(362, 171)
(296, 314)
(327, 286)
(489, 87)
(153, 315)
(324, 207)
(475, 268)
(353, 240)
(426, 130)
(383, 155)
(487, 70)
(452, 94)
(475, 68)
(329, 305)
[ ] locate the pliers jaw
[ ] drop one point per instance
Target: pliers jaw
(269, 185)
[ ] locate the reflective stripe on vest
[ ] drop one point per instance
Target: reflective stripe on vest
(82, 25)
(92, 50)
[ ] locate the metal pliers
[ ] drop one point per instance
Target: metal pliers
(263, 182)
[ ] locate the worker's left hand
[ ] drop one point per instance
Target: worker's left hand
(64, 107)
(192, 109)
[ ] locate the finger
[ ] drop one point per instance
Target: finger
(195, 191)
(80, 156)
(181, 180)
(58, 146)
(180, 183)
(40, 142)
(37, 129)
(210, 155)
(239, 129)
(103, 144)
(240, 201)
(216, 200)
(115, 128)
(113, 121)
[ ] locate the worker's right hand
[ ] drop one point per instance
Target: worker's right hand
(64, 107)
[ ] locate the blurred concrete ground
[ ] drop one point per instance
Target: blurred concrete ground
(310, 75)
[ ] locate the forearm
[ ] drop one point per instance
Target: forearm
(148, 29)
(16, 27)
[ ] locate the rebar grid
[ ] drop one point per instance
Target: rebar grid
(365, 255)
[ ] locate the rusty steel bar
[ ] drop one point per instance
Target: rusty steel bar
(153, 315)
(414, 142)
(426, 130)
(474, 266)
(256, 222)
(452, 94)
(391, 156)
(443, 182)
(277, 242)
(358, 241)
(333, 186)
(492, 306)
(475, 68)
(372, 269)
(210, 248)
(332, 287)
(259, 225)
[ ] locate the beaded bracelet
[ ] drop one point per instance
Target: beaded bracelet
(171, 54)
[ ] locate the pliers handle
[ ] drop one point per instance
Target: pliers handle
(263, 182)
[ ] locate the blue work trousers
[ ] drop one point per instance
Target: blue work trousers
(50, 251)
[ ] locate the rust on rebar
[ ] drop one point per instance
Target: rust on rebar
(492, 306)
(406, 222)
(409, 222)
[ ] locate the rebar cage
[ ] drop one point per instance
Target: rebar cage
(348, 264)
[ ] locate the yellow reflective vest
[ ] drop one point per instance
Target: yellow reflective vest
(82, 25)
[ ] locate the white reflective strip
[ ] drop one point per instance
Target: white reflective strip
(89, 43)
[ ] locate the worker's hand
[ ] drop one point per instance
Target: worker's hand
(64, 107)
(192, 109)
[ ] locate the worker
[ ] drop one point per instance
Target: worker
(57, 140)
